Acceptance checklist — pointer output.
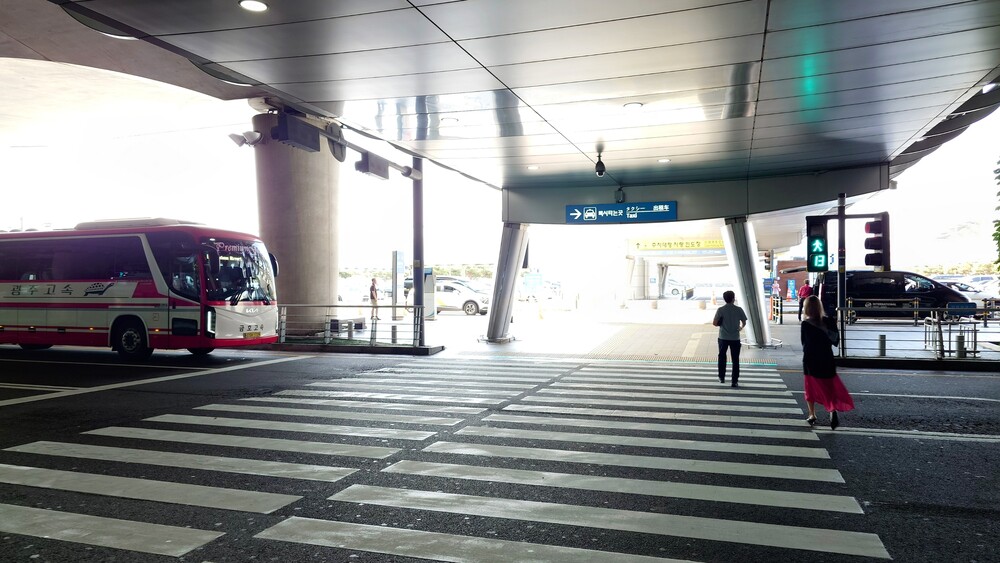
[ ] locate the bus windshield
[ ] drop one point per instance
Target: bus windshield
(244, 272)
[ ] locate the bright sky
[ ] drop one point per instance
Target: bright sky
(174, 159)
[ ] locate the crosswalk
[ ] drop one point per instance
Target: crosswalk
(464, 460)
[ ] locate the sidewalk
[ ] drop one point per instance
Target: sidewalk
(674, 331)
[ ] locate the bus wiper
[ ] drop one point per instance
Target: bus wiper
(239, 291)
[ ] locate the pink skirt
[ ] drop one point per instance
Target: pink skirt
(829, 392)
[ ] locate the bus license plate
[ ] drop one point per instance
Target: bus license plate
(251, 334)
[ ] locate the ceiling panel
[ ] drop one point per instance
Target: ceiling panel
(693, 26)
(188, 16)
(383, 30)
(729, 89)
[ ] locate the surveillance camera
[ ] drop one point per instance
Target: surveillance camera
(599, 168)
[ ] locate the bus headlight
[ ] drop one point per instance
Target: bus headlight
(210, 321)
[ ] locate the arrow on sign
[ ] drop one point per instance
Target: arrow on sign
(576, 213)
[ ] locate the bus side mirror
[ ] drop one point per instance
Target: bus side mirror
(274, 264)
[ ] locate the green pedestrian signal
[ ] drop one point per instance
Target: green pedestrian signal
(818, 258)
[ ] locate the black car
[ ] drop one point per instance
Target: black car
(886, 294)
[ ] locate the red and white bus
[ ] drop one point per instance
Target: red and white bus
(136, 285)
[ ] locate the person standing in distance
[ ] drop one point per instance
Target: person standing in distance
(804, 291)
(730, 319)
(373, 297)
(822, 384)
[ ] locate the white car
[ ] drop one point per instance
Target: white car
(976, 294)
(456, 296)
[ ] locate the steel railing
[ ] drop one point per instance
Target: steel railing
(937, 333)
(339, 325)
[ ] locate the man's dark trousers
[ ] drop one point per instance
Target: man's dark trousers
(734, 349)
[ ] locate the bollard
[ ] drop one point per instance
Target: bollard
(394, 327)
(350, 330)
(960, 346)
(881, 345)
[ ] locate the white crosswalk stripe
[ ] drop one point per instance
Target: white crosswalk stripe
(104, 532)
(717, 529)
(663, 445)
(145, 489)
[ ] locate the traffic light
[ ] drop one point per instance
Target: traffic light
(878, 243)
(766, 255)
(818, 258)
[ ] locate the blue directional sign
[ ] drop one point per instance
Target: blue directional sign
(641, 212)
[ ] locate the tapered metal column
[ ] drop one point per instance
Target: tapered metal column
(741, 248)
(513, 241)
(418, 245)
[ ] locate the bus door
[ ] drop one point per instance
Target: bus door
(184, 313)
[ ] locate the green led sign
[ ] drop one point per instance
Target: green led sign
(818, 255)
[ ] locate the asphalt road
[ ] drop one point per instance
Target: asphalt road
(282, 457)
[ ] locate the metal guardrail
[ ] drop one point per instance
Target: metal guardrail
(339, 325)
(939, 333)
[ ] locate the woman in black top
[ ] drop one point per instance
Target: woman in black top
(822, 385)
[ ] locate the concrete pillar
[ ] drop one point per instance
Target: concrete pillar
(297, 202)
(513, 241)
(741, 248)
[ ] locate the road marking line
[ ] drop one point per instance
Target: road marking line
(188, 461)
(664, 443)
(371, 405)
(654, 427)
(583, 411)
(102, 364)
(539, 367)
(360, 385)
(348, 415)
(618, 377)
(393, 396)
(662, 405)
(29, 387)
(145, 489)
(647, 462)
(99, 388)
(714, 493)
(469, 375)
(727, 397)
(706, 387)
(435, 545)
(713, 529)
(711, 382)
(674, 369)
(438, 381)
(104, 532)
(257, 443)
(905, 396)
(914, 434)
(306, 427)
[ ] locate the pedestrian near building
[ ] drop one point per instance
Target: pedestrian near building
(730, 319)
(822, 384)
(373, 297)
(804, 292)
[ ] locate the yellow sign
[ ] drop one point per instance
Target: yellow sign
(676, 244)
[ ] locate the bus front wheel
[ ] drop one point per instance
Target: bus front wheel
(130, 341)
(201, 351)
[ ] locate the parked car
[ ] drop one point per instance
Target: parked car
(456, 296)
(886, 294)
(677, 288)
(990, 289)
(981, 279)
(974, 293)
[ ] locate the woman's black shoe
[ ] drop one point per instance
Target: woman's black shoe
(834, 421)
(811, 420)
